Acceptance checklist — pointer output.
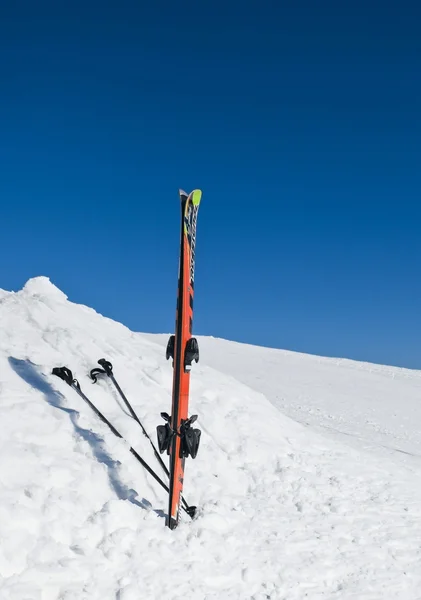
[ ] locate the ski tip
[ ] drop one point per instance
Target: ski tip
(195, 195)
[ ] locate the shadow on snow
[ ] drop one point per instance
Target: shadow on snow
(29, 373)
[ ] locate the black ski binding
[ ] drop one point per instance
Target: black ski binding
(164, 434)
(189, 437)
(170, 347)
(191, 353)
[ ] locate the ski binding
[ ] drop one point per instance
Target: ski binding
(189, 436)
(191, 352)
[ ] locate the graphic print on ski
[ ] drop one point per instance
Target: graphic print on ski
(182, 439)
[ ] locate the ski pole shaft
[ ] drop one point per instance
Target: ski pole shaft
(107, 369)
(119, 435)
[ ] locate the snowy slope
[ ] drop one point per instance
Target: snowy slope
(368, 406)
(287, 511)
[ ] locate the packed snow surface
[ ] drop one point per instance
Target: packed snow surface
(308, 478)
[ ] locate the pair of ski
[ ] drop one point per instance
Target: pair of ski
(177, 437)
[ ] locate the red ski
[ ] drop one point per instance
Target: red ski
(177, 436)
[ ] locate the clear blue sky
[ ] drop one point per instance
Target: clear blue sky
(301, 123)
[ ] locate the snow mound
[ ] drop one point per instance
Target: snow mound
(42, 287)
(284, 512)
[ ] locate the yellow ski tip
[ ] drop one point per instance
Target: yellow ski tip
(195, 195)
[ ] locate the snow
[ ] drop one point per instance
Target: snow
(307, 479)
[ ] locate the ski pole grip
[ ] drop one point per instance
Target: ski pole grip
(106, 365)
(63, 373)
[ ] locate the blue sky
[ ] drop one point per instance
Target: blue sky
(301, 123)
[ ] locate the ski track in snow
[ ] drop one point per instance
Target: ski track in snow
(300, 489)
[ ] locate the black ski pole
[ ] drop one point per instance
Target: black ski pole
(107, 369)
(66, 375)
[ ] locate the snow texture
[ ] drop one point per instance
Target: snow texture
(307, 480)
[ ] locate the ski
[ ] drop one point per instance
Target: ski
(67, 376)
(107, 369)
(177, 436)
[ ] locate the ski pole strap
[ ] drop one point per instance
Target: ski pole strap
(94, 374)
(107, 369)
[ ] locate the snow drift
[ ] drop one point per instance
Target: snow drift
(288, 508)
